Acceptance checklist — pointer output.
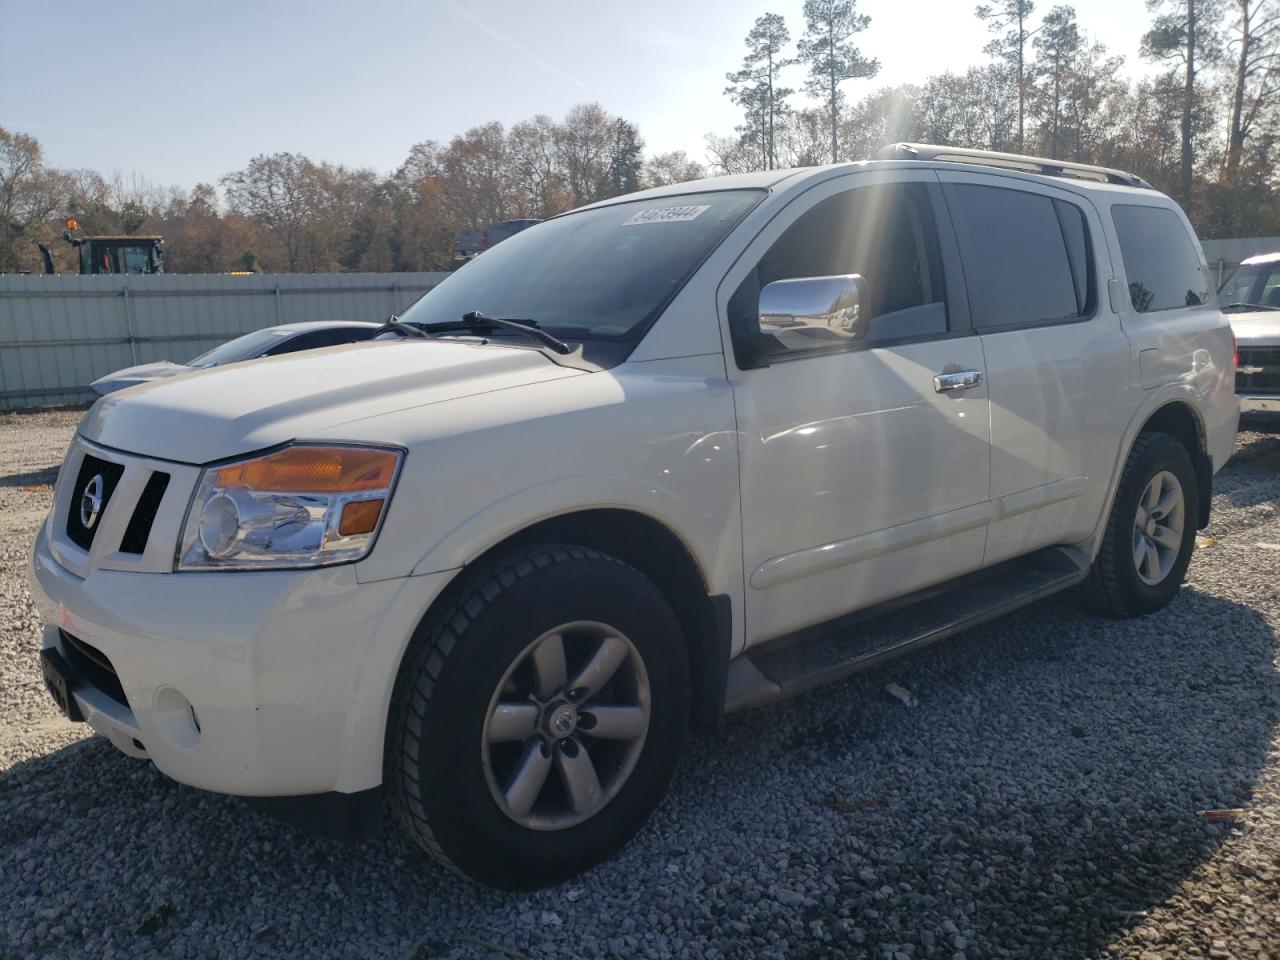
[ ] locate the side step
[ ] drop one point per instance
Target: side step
(817, 655)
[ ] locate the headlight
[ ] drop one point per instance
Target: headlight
(303, 506)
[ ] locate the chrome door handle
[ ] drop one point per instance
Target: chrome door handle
(962, 380)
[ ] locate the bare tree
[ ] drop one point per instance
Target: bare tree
(673, 167)
(582, 147)
(1256, 48)
(539, 186)
(274, 190)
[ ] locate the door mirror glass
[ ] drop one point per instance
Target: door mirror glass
(833, 305)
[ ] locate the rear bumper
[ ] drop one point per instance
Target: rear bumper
(266, 684)
(1259, 403)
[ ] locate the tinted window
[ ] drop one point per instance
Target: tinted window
(884, 233)
(1027, 256)
(1160, 262)
(602, 273)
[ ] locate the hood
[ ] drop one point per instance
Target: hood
(132, 376)
(1260, 328)
(242, 407)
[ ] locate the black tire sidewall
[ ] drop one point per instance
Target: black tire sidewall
(1164, 453)
(470, 828)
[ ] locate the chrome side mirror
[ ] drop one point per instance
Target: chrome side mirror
(834, 304)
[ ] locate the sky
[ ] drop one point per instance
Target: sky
(184, 91)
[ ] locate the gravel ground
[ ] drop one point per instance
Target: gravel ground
(1041, 801)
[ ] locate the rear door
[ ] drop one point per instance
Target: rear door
(1057, 358)
(860, 479)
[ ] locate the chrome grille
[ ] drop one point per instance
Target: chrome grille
(1258, 370)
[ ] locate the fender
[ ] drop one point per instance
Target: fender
(504, 518)
(1156, 398)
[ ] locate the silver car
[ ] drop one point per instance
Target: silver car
(267, 342)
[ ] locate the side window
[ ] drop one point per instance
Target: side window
(885, 233)
(1159, 259)
(1027, 255)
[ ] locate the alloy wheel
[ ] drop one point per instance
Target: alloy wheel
(565, 726)
(1158, 527)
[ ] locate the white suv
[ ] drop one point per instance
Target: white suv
(632, 469)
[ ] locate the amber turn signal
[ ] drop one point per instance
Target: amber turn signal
(359, 516)
(314, 470)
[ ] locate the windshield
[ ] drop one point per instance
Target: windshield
(600, 274)
(1252, 284)
(241, 348)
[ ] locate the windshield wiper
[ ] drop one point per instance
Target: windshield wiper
(475, 321)
(394, 324)
(1248, 306)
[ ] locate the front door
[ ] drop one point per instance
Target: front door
(865, 463)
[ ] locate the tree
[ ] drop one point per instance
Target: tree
(831, 57)
(624, 160)
(1095, 97)
(1183, 30)
(972, 109)
(1057, 51)
(582, 146)
(886, 116)
(668, 168)
(29, 194)
(476, 173)
(1011, 16)
(1256, 84)
(275, 191)
(539, 188)
(755, 86)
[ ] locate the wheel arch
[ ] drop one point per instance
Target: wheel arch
(1173, 412)
(1180, 420)
(659, 553)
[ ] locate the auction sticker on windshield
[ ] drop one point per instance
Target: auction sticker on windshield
(667, 215)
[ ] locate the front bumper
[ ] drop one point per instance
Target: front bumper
(260, 684)
(1259, 403)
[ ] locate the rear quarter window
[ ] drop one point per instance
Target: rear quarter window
(1160, 260)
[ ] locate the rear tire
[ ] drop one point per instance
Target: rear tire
(538, 716)
(1151, 532)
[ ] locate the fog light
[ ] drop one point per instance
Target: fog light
(175, 718)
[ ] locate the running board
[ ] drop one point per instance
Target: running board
(818, 655)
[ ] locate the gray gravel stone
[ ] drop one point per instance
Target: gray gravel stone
(1041, 801)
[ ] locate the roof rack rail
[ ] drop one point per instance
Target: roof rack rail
(1010, 161)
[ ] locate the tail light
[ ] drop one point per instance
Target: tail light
(1235, 352)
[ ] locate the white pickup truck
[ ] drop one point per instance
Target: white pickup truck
(661, 458)
(1250, 298)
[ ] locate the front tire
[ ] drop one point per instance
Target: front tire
(1151, 532)
(538, 717)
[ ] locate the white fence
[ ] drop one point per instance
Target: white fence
(58, 333)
